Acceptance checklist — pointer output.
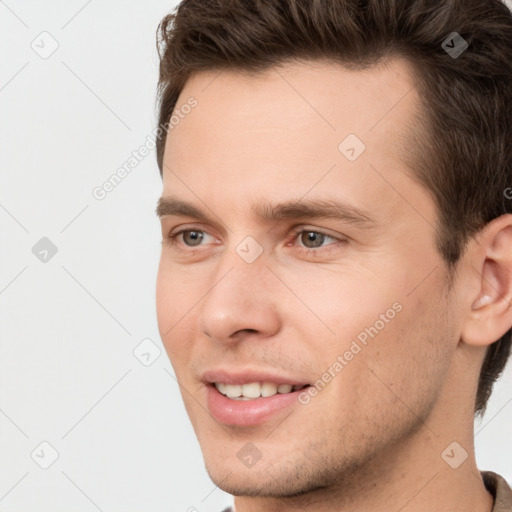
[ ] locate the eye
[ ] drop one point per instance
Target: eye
(311, 239)
(314, 238)
(190, 237)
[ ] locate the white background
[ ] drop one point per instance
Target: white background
(68, 375)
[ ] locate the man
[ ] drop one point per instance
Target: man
(335, 283)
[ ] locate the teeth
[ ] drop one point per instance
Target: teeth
(233, 390)
(254, 389)
(268, 389)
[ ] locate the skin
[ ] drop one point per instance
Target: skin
(372, 439)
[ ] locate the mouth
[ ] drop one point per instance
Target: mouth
(247, 399)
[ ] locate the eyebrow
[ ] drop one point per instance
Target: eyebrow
(268, 212)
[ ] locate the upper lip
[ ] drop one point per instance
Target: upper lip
(245, 377)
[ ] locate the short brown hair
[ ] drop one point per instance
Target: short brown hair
(462, 152)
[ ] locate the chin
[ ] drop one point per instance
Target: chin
(257, 487)
(278, 482)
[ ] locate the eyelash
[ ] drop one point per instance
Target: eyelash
(171, 239)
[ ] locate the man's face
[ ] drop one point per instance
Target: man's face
(355, 308)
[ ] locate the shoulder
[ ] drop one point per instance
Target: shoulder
(500, 490)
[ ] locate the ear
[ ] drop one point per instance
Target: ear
(489, 316)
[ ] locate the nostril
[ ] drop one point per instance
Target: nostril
(246, 331)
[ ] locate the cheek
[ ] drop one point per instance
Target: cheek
(172, 304)
(341, 306)
(176, 291)
(165, 300)
(392, 343)
(403, 368)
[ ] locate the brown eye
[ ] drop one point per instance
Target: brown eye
(194, 238)
(312, 239)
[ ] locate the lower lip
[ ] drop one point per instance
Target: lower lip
(247, 412)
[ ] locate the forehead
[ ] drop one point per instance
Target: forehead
(286, 128)
(331, 95)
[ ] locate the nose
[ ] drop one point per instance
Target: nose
(240, 301)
